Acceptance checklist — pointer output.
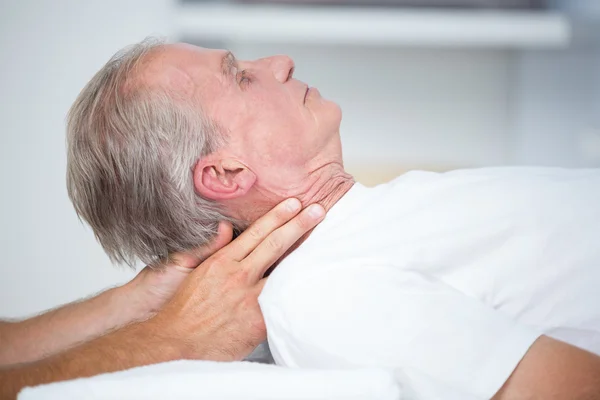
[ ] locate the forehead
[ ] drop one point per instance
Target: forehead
(186, 69)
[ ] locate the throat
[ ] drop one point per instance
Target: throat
(327, 192)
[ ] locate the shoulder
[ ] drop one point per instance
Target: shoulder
(379, 315)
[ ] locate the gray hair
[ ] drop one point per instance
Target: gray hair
(131, 154)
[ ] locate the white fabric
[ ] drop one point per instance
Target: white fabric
(447, 278)
(182, 380)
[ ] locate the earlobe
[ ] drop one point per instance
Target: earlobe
(222, 180)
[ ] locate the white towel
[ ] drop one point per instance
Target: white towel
(179, 380)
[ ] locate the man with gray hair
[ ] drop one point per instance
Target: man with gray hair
(128, 176)
(132, 141)
(470, 284)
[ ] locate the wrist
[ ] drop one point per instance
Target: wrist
(174, 342)
(187, 340)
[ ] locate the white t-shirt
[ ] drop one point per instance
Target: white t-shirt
(446, 278)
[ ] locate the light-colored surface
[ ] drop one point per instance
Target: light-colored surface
(403, 108)
(378, 26)
(49, 51)
(376, 173)
(410, 107)
(447, 278)
(557, 107)
(182, 380)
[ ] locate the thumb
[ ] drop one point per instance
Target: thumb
(190, 260)
(223, 238)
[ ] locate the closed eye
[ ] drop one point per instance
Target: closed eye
(244, 78)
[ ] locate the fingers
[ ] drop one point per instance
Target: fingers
(191, 259)
(259, 230)
(280, 240)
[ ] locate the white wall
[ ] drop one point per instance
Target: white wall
(447, 108)
(557, 113)
(49, 49)
(557, 96)
(407, 107)
(402, 107)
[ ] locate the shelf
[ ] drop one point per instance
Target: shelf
(372, 26)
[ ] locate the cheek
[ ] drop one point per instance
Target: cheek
(282, 122)
(233, 116)
(279, 101)
(279, 158)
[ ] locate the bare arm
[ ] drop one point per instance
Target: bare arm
(137, 344)
(79, 322)
(552, 369)
(59, 329)
(214, 315)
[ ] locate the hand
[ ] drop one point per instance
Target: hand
(215, 314)
(154, 286)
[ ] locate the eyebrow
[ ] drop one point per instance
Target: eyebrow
(227, 63)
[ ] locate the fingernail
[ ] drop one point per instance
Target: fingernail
(292, 205)
(316, 211)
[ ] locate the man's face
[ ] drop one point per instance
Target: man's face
(278, 127)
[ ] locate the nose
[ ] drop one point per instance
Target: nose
(281, 66)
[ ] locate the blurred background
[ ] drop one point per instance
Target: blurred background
(430, 84)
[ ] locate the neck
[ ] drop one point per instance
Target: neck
(326, 189)
(325, 186)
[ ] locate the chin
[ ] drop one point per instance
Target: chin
(332, 116)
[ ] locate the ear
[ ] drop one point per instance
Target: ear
(222, 179)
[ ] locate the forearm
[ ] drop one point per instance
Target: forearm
(554, 370)
(60, 329)
(134, 345)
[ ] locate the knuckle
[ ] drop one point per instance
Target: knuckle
(256, 232)
(249, 302)
(275, 243)
(241, 277)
